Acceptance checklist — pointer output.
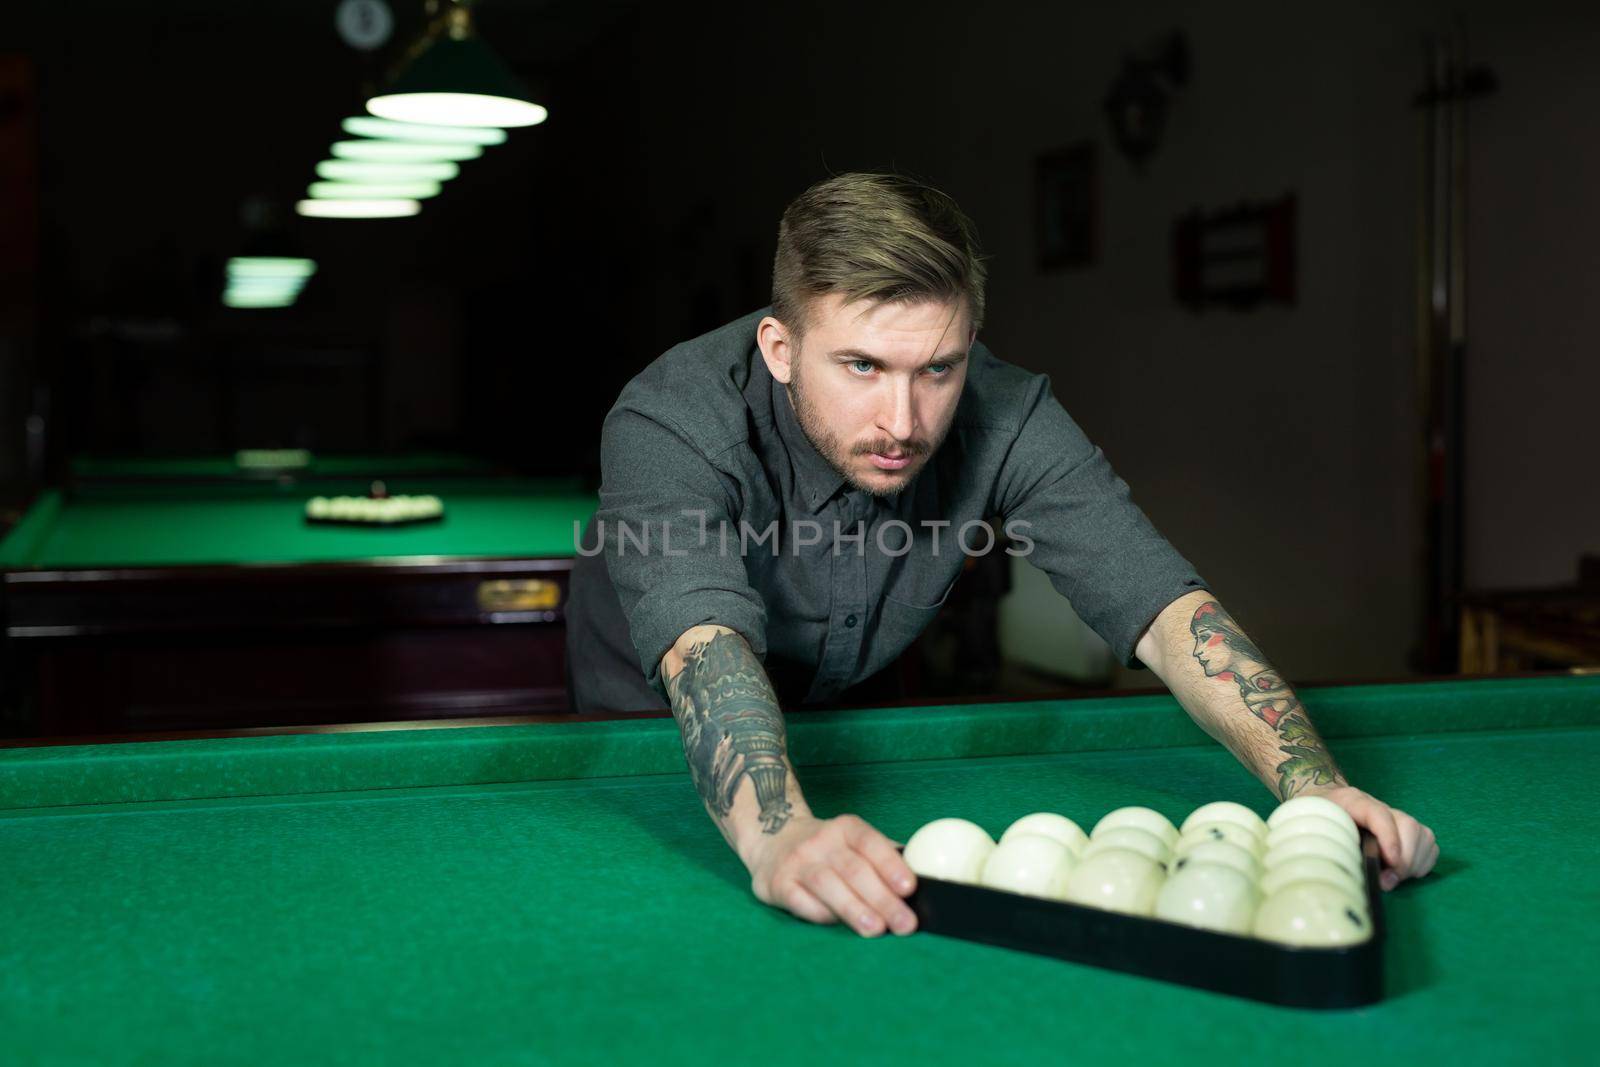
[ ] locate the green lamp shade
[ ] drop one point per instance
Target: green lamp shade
(238, 293)
(460, 109)
(261, 292)
(266, 281)
(372, 190)
(458, 82)
(282, 268)
(403, 152)
(265, 285)
(357, 209)
(387, 130)
(350, 170)
(258, 300)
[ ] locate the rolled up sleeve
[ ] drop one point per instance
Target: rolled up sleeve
(657, 496)
(1100, 550)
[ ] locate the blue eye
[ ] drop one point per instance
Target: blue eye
(938, 370)
(861, 366)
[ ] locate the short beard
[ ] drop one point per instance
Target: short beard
(838, 454)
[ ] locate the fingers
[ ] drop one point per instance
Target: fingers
(850, 872)
(1419, 846)
(881, 853)
(1410, 839)
(1408, 848)
(828, 886)
(869, 885)
(1379, 820)
(1430, 856)
(803, 903)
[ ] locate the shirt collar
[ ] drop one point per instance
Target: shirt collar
(814, 476)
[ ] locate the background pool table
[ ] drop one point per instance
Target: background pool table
(552, 892)
(143, 604)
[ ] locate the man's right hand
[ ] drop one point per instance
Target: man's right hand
(834, 870)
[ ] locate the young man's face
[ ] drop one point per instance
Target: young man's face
(875, 386)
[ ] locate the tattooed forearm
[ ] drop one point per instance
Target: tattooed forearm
(732, 729)
(1228, 655)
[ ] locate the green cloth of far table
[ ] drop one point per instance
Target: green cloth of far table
(264, 523)
(555, 894)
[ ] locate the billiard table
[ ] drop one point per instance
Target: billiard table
(137, 604)
(551, 891)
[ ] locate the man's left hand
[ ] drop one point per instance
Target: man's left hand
(1408, 848)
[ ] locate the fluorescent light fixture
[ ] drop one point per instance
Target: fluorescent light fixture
(349, 170)
(385, 130)
(454, 79)
(278, 281)
(458, 109)
(262, 289)
(403, 152)
(372, 190)
(357, 209)
(240, 267)
(258, 300)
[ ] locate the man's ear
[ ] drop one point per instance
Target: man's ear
(777, 348)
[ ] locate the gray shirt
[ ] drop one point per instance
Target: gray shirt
(716, 508)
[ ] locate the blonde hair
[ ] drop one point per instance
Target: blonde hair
(876, 237)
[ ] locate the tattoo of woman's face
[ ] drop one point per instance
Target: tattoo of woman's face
(1226, 653)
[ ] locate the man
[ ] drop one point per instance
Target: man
(787, 500)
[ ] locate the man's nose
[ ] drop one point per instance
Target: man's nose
(898, 418)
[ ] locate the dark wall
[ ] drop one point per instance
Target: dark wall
(487, 322)
(1279, 448)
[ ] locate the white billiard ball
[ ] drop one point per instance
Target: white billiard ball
(1049, 824)
(1308, 805)
(1232, 833)
(1313, 869)
(953, 850)
(1146, 819)
(1132, 838)
(1311, 914)
(1224, 853)
(1344, 833)
(1339, 852)
(1031, 864)
(1210, 896)
(1225, 811)
(1116, 879)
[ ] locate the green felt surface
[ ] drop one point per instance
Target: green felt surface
(348, 762)
(263, 523)
(594, 915)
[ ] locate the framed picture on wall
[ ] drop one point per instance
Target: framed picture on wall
(1068, 205)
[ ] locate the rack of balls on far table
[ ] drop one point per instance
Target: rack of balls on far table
(1295, 878)
(377, 509)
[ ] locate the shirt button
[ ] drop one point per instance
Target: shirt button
(849, 622)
